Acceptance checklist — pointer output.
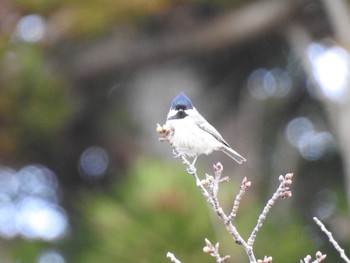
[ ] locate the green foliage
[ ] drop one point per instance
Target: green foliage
(284, 238)
(154, 210)
(86, 19)
(158, 208)
(34, 103)
(25, 251)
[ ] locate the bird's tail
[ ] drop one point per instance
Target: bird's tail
(233, 154)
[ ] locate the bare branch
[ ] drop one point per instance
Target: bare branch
(332, 240)
(214, 203)
(245, 184)
(265, 260)
(282, 191)
(212, 184)
(214, 252)
(172, 257)
(319, 258)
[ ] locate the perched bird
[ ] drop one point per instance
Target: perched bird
(193, 135)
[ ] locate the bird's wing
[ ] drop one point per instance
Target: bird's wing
(206, 126)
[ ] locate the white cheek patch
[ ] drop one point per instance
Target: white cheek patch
(171, 114)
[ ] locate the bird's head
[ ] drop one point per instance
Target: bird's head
(180, 106)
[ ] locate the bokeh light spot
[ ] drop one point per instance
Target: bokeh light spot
(93, 162)
(314, 145)
(8, 228)
(263, 84)
(296, 128)
(330, 68)
(283, 83)
(29, 204)
(50, 256)
(38, 218)
(311, 144)
(31, 28)
(8, 181)
(36, 180)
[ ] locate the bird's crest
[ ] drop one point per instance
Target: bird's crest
(181, 101)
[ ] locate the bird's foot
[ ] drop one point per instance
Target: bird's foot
(176, 153)
(191, 169)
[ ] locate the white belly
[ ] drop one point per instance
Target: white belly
(192, 140)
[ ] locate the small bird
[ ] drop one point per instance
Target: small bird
(193, 135)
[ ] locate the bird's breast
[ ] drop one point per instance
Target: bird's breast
(191, 139)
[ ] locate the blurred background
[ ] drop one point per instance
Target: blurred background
(83, 177)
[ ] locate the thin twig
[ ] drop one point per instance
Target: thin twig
(265, 260)
(332, 240)
(213, 194)
(319, 258)
(281, 192)
(172, 257)
(213, 202)
(214, 252)
(212, 184)
(245, 184)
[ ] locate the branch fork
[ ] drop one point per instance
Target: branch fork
(209, 188)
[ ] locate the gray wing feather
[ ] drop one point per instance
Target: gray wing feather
(206, 126)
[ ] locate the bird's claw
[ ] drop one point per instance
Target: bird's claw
(176, 154)
(191, 169)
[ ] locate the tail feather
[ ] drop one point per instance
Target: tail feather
(233, 154)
